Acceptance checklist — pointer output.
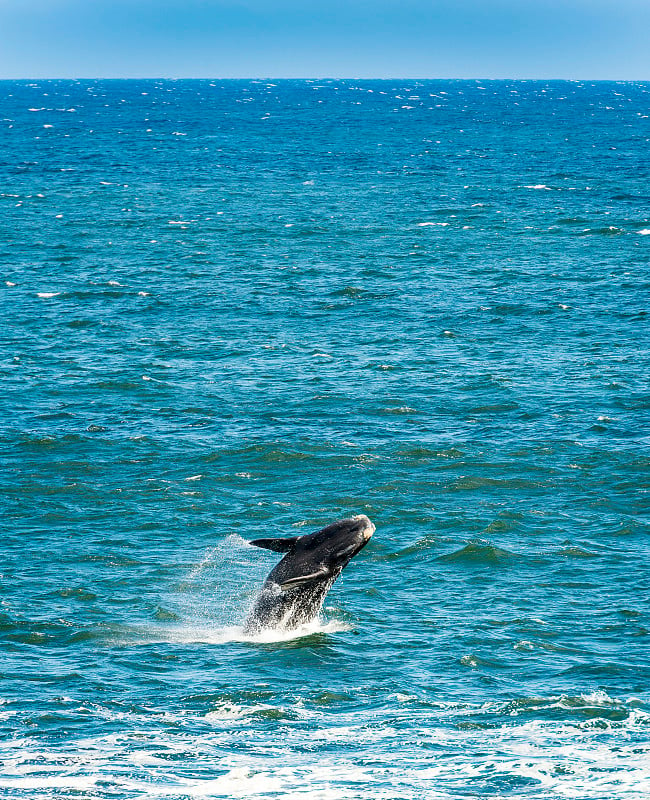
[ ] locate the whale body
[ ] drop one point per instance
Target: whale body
(294, 590)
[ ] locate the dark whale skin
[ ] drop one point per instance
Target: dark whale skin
(293, 592)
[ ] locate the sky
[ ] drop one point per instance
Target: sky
(574, 39)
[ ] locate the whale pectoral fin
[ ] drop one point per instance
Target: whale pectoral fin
(277, 545)
(300, 580)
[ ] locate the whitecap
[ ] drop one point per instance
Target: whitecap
(233, 711)
(524, 646)
(644, 232)
(47, 295)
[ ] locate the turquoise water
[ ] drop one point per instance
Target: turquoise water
(245, 309)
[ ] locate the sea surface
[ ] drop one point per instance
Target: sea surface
(234, 309)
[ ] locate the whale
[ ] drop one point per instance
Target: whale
(293, 593)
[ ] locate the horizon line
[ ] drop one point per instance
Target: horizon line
(312, 78)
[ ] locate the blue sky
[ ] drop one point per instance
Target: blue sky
(325, 38)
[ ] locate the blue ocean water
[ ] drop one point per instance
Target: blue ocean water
(235, 309)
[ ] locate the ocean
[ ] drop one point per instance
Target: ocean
(244, 309)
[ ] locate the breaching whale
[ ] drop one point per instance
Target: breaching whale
(295, 589)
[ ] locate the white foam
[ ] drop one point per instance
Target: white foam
(206, 634)
(312, 753)
(234, 711)
(47, 295)
(561, 760)
(644, 232)
(309, 629)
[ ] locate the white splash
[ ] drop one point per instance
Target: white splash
(205, 634)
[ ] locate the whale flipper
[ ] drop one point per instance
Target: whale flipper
(283, 545)
(300, 580)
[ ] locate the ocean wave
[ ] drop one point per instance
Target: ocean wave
(480, 553)
(605, 230)
(218, 746)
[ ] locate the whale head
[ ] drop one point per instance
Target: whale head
(339, 542)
